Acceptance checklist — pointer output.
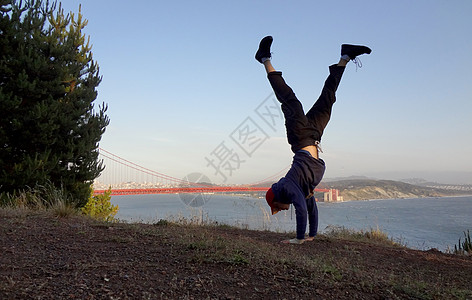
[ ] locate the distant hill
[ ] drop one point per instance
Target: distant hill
(357, 177)
(367, 189)
(364, 188)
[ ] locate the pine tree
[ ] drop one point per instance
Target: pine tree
(49, 128)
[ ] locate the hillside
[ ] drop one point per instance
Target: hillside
(367, 189)
(46, 257)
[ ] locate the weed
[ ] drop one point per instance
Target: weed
(198, 245)
(415, 289)
(45, 197)
(331, 271)
(29, 198)
(238, 258)
(161, 222)
(351, 249)
(460, 293)
(224, 226)
(464, 247)
(372, 235)
(197, 219)
(63, 209)
(14, 213)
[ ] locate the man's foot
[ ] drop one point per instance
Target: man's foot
(354, 50)
(310, 238)
(264, 48)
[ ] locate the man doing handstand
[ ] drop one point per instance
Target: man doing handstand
(304, 133)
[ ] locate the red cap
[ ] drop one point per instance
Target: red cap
(270, 200)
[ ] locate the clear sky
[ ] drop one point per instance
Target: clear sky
(183, 87)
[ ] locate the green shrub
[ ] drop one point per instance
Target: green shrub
(99, 207)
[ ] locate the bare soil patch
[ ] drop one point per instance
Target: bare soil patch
(45, 257)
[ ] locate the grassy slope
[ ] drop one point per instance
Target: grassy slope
(76, 257)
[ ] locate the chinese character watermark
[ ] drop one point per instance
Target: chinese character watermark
(248, 137)
(224, 160)
(269, 111)
(195, 199)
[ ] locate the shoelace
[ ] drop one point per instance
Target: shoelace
(358, 63)
(317, 143)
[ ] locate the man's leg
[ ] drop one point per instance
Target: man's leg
(296, 122)
(320, 113)
(268, 66)
(312, 218)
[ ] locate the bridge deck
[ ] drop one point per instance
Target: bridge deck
(191, 190)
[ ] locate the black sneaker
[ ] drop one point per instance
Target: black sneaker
(264, 48)
(354, 50)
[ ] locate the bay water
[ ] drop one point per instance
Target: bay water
(422, 223)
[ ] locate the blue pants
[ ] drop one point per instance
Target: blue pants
(312, 217)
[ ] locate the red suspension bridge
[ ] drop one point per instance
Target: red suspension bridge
(124, 177)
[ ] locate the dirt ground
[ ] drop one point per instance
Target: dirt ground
(45, 257)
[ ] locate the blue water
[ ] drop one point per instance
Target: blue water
(417, 223)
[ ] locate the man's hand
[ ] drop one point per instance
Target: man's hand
(293, 241)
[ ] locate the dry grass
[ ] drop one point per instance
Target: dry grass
(184, 260)
(376, 236)
(340, 264)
